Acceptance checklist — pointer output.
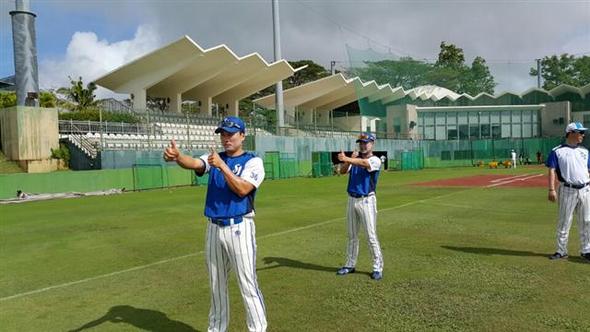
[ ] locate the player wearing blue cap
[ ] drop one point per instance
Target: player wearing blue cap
(234, 177)
(570, 163)
(362, 204)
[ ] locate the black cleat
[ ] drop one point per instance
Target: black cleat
(345, 270)
(586, 256)
(557, 256)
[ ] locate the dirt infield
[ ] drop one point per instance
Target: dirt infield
(490, 181)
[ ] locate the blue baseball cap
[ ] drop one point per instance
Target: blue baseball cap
(366, 138)
(231, 124)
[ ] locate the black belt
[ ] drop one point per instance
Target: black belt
(226, 221)
(355, 195)
(575, 186)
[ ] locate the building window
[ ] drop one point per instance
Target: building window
(506, 117)
(452, 132)
(516, 118)
(474, 131)
(451, 118)
(441, 133)
(506, 130)
(463, 132)
(495, 117)
(496, 131)
(527, 130)
(485, 131)
(462, 117)
(429, 132)
(516, 132)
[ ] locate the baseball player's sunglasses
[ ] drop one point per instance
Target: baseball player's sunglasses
(583, 132)
(229, 124)
(363, 136)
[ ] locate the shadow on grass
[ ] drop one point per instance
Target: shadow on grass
(508, 252)
(287, 262)
(144, 319)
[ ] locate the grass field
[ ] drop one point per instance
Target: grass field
(456, 259)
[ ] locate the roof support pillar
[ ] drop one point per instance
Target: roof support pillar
(233, 108)
(176, 103)
(306, 117)
(139, 100)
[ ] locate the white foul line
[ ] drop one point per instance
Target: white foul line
(141, 267)
(508, 178)
(513, 180)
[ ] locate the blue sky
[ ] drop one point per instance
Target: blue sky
(56, 24)
(91, 37)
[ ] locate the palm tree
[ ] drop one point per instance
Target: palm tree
(83, 97)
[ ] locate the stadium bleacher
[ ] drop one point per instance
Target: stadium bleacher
(155, 133)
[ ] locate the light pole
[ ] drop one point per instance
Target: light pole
(277, 52)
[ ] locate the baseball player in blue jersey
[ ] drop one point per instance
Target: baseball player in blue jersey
(234, 177)
(569, 163)
(362, 204)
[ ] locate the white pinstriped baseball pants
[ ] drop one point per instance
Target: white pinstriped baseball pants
(570, 200)
(234, 247)
(362, 212)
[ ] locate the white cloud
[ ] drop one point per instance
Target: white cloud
(90, 57)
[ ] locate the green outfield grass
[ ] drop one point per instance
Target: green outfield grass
(456, 259)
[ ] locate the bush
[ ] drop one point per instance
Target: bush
(47, 99)
(7, 99)
(62, 153)
(93, 115)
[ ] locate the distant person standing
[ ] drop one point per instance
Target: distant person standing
(569, 163)
(539, 159)
(513, 158)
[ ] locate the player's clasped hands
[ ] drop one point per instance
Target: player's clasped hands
(341, 156)
(214, 159)
(171, 153)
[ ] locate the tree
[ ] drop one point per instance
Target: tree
(405, 72)
(312, 72)
(47, 99)
(450, 56)
(564, 69)
(83, 97)
(449, 71)
(479, 79)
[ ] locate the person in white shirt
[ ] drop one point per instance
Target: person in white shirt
(569, 164)
(513, 157)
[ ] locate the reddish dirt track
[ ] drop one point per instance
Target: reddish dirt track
(533, 179)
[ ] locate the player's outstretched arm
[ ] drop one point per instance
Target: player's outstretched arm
(173, 154)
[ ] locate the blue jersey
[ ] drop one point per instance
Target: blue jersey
(571, 164)
(363, 181)
(221, 201)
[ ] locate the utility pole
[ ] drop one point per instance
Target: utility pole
(277, 48)
(538, 73)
